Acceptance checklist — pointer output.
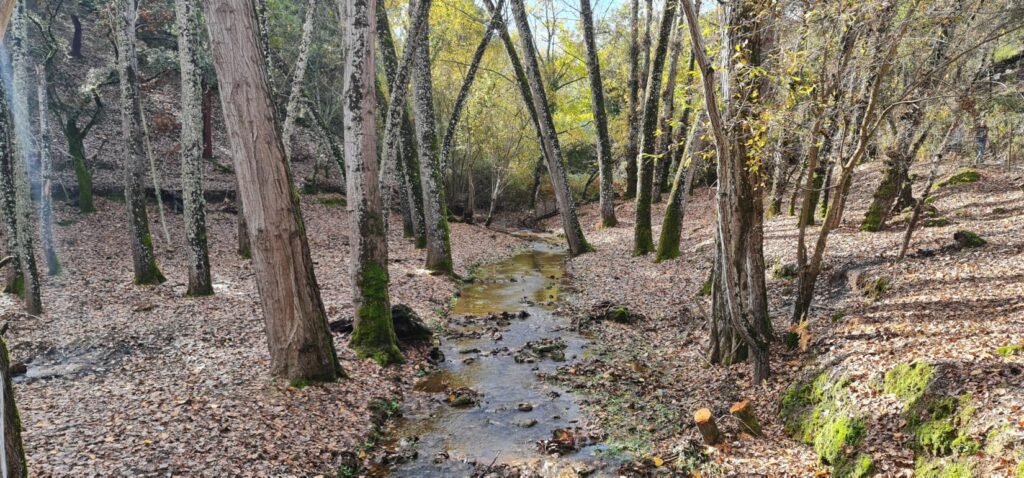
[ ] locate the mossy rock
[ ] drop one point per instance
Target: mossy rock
(820, 412)
(620, 314)
(785, 271)
(877, 287)
(935, 468)
(937, 222)
(963, 176)
(860, 467)
(1009, 350)
(968, 239)
(909, 381)
(839, 434)
(1020, 470)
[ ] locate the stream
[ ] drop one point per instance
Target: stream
(486, 403)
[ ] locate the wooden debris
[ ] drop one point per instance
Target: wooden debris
(708, 429)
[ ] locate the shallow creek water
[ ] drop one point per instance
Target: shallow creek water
(480, 355)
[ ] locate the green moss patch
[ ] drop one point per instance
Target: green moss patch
(968, 239)
(963, 176)
(333, 201)
(860, 467)
(937, 222)
(909, 382)
(820, 413)
(785, 271)
(1009, 350)
(925, 468)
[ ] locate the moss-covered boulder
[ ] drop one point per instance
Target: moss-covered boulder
(967, 239)
(820, 412)
(935, 468)
(909, 381)
(937, 222)
(785, 271)
(963, 176)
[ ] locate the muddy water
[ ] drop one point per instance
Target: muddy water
(480, 354)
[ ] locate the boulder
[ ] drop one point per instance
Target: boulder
(409, 327)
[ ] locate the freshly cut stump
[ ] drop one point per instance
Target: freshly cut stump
(708, 429)
(744, 412)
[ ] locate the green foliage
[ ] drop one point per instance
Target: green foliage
(877, 288)
(1020, 470)
(1009, 350)
(705, 289)
(963, 176)
(860, 467)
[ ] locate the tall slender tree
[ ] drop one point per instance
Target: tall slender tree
(199, 282)
(373, 334)
(643, 240)
(556, 168)
(671, 225)
(633, 89)
(604, 142)
(439, 247)
(45, 173)
(301, 346)
(140, 240)
(291, 110)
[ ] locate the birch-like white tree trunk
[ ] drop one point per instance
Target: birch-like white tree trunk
(373, 334)
(291, 111)
(439, 247)
(17, 211)
(199, 282)
(45, 172)
(301, 346)
(556, 167)
(134, 157)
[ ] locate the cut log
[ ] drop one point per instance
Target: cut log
(744, 412)
(708, 429)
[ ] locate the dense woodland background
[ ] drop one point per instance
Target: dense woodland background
(793, 229)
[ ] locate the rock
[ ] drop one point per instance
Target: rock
(527, 423)
(525, 407)
(967, 239)
(408, 325)
(341, 326)
(469, 351)
(435, 356)
(963, 176)
(607, 311)
(787, 270)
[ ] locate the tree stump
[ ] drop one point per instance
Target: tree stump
(744, 412)
(708, 429)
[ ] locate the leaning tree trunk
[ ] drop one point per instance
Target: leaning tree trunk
(643, 239)
(199, 282)
(409, 167)
(633, 89)
(671, 226)
(45, 171)
(140, 240)
(604, 142)
(300, 342)
(14, 464)
(556, 168)
(439, 247)
(373, 334)
(291, 111)
(743, 310)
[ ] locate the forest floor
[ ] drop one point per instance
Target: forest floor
(961, 311)
(141, 381)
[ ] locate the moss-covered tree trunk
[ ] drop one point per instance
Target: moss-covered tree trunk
(373, 334)
(45, 173)
(643, 238)
(83, 175)
(301, 346)
(662, 157)
(439, 248)
(17, 212)
(199, 282)
(553, 150)
(13, 279)
(671, 226)
(604, 142)
(139, 238)
(294, 106)
(13, 464)
(633, 105)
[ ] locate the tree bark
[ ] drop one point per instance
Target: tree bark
(300, 342)
(556, 168)
(662, 157)
(140, 239)
(45, 172)
(207, 120)
(439, 249)
(604, 142)
(291, 111)
(76, 37)
(633, 106)
(643, 239)
(199, 282)
(23, 278)
(15, 465)
(373, 334)
(919, 204)
(671, 226)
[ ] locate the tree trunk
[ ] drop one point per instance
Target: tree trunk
(556, 168)
(373, 334)
(76, 37)
(300, 342)
(671, 226)
(207, 120)
(298, 80)
(199, 282)
(604, 142)
(662, 157)
(45, 171)
(439, 249)
(919, 204)
(643, 239)
(17, 205)
(743, 309)
(633, 88)
(140, 240)
(14, 463)
(14, 282)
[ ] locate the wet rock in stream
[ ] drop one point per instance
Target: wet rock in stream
(553, 349)
(462, 397)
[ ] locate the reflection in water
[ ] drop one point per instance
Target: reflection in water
(479, 355)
